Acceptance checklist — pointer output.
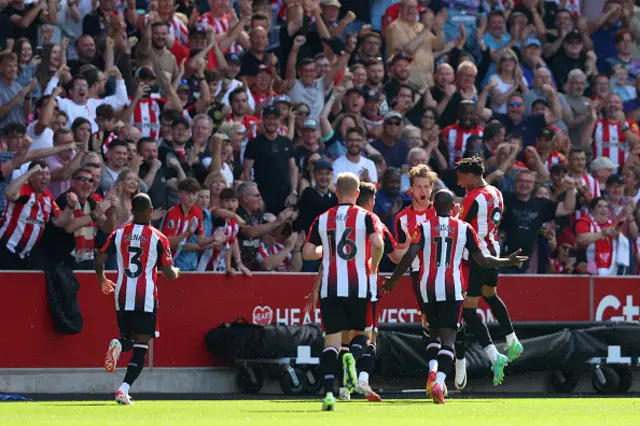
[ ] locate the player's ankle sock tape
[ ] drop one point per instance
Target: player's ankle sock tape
(432, 350)
(426, 338)
(127, 345)
(476, 326)
(461, 349)
(445, 359)
(501, 313)
(359, 346)
(367, 360)
(329, 367)
(136, 364)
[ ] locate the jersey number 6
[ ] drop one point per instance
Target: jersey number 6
(346, 249)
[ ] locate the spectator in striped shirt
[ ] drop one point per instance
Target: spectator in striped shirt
(276, 256)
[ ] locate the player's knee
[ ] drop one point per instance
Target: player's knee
(488, 291)
(471, 302)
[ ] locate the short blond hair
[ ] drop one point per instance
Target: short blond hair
(422, 171)
(215, 176)
(347, 184)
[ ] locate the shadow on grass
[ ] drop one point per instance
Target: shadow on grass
(81, 404)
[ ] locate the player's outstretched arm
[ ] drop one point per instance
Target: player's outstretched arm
(494, 262)
(107, 286)
(402, 267)
(170, 272)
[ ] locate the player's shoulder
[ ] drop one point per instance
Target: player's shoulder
(155, 231)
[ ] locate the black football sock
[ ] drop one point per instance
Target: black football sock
(329, 366)
(445, 362)
(137, 363)
(426, 338)
(432, 354)
(476, 326)
(367, 360)
(501, 313)
(359, 346)
(127, 344)
(461, 349)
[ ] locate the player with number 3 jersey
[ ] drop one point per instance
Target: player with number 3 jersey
(140, 250)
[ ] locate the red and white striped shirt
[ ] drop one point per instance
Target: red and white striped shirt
(247, 122)
(609, 140)
(110, 137)
(176, 28)
(176, 222)
(23, 221)
(482, 208)
(344, 233)
(593, 187)
(146, 117)
(409, 219)
(220, 26)
(139, 249)
(390, 245)
(456, 139)
(601, 253)
(443, 240)
(556, 157)
(213, 259)
(120, 8)
(265, 251)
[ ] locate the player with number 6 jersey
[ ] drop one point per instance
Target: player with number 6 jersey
(441, 241)
(140, 249)
(350, 245)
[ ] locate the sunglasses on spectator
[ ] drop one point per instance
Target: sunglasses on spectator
(304, 113)
(393, 122)
(516, 104)
(80, 86)
(508, 59)
(94, 165)
(84, 179)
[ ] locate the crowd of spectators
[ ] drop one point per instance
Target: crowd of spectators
(236, 116)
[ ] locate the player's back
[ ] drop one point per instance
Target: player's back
(482, 208)
(443, 240)
(344, 233)
(139, 250)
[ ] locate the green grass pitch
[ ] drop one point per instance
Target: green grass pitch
(405, 412)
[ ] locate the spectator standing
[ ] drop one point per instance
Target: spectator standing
(117, 155)
(390, 145)
(27, 18)
(15, 100)
(601, 169)
(270, 156)
(389, 200)
(580, 106)
(63, 165)
(456, 135)
(353, 161)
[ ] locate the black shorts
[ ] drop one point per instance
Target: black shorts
(479, 276)
(343, 314)
(138, 323)
(443, 314)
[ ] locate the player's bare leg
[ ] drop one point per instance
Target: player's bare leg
(480, 330)
(365, 367)
(513, 347)
(140, 348)
(330, 368)
(447, 337)
(343, 392)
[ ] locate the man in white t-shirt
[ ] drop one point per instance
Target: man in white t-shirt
(40, 131)
(353, 161)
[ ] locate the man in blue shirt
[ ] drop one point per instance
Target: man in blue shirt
(389, 199)
(389, 145)
(614, 16)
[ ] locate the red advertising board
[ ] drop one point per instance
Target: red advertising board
(616, 299)
(195, 303)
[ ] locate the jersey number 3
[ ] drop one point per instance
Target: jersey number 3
(448, 246)
(346, 249)
(134, 259)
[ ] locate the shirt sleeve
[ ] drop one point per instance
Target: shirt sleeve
(200, 229)
(473, 245)
(389, 242)
(164, 252)
(371, 224)
(468, 210)
(109, 247)
(582, 227)
(314, 235)
(251, 151)
(170, 224)
(398, 229)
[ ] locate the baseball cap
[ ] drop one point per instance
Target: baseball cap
(573, 36)
(532, 41)
(566, 237)
(547, 133)
(232, 57)
(282, 99)
(184, 86)
(615, 180)
(271, 110)
(310, 123)
(180, 120)
(197, 29)
(145, 73)
(603, 163)
(329, 3)
(322, 164)
(372, 94)
(353, 90)
(263, 68)
(400, 56)
(392, 114)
